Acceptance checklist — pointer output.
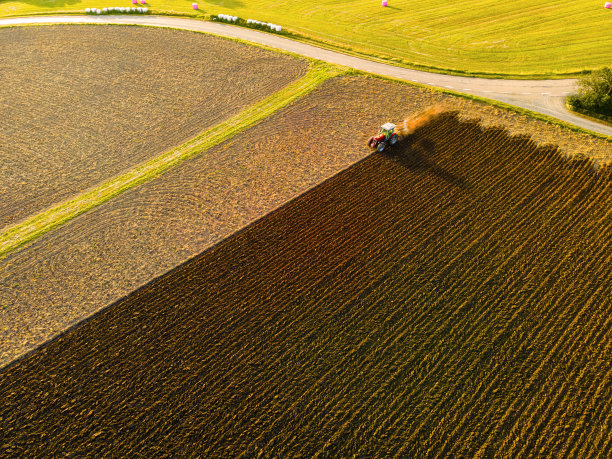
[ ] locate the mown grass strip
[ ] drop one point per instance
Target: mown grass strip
(37, 225)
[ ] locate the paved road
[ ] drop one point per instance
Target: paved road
(543, 96)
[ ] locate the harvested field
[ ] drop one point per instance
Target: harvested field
(81, 104)
(98, 258)
(452, 297)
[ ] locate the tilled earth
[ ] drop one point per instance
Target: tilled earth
(449, 297)
(80, 103)
(102, 256)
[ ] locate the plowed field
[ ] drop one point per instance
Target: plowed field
(80, 104)
(452, 297)
(99, 257)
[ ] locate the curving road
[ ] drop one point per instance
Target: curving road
(543, 96)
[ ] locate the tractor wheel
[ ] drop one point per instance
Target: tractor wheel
(393, 140)
(381, 147)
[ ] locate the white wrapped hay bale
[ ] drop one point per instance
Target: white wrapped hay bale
(105, 10)
(98, 11)
(87, 10)
(278, 28)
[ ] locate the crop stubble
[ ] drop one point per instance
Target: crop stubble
(81, 104)
(450, 297)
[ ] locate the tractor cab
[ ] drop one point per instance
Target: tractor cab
(387, 130)
(386, 137)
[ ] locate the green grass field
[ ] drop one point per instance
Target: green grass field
(520, 37)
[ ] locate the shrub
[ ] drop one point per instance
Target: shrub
(595, 93)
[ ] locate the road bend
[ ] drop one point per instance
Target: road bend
(542, 96)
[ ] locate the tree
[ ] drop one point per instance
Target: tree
(595, 92)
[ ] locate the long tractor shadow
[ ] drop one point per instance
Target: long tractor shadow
(415, 152)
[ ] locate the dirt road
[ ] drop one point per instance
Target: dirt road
(542, 96)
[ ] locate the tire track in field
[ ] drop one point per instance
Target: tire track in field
(78, 113)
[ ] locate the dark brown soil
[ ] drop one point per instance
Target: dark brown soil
(451, 297)
(104, 255)
(80, 104)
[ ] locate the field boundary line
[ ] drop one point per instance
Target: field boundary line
(35, 226)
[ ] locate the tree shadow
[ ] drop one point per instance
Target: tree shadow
(413, 153)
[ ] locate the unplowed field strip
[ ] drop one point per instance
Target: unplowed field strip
(82, 103)
(452, 297)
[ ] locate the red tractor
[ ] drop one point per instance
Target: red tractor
(386, 137)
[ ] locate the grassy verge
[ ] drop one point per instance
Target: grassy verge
(603, 119)
(523, 38)
(43, 222)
